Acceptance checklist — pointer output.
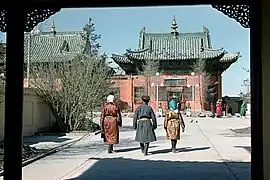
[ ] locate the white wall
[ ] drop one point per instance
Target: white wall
(36, 114)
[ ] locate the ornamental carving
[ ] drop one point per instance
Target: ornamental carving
(238, 12)
(33, 17)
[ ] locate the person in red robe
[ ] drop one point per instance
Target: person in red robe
(219, 109)
(110, 122)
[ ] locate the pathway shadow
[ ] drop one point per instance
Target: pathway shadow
(247, 148)
(184, 149)
(123, 169)
(37, 139)
(131, 149)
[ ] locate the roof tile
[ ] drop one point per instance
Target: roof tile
(185, 46)
(46, 47)
(230, 57)
(121, 59)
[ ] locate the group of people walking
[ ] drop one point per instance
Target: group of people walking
(223, 109)
(144, 122)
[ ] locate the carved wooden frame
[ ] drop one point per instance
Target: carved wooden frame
(238, 12)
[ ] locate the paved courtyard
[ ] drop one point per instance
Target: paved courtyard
(207, 150)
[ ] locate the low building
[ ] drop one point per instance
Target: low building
(41, 48)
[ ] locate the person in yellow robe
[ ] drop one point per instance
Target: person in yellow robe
(172, 122)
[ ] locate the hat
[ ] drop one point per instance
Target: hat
(145, 98)
(110, 98)
(174, 96)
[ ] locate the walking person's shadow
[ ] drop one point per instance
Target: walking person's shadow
(184, 149)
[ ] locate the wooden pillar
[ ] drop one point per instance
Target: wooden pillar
(132, 93)
(260, 88)
(14, 93)
(219, 90)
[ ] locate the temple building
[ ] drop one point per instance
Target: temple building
(175, 53)
(49, 47)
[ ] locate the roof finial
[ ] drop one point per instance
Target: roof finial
(53, 28)
(174, 27)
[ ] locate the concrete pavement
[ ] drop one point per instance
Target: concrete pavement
(207, 150)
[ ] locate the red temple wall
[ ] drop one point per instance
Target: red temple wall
(127, 84)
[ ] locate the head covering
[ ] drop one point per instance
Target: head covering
(145, 98)
(174, 96)
(173, 105)
(110, 98)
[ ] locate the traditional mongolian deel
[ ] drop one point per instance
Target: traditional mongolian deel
(143, 124)
(219, 109)
(243, 109)
(110, 121)
(172, 123)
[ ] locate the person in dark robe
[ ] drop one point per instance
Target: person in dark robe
(172, 122)
(144, 122)
(110, 122)
(226, 109)
(212, 110)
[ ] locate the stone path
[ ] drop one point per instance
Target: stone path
(207, 150)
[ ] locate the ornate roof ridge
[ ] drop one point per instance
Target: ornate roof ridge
(121, 59)
(137, 51)
(119, 55)
(230, 57)
(68, 33)
(63, 33)
(169, 34)
(237, 54)
(210, 49)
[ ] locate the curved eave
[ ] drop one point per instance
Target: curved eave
(121, 59)
(227, 60)
(230, 57)
(137, 51)
(175, 56)
(212, 53)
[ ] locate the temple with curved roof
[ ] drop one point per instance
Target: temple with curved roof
(176, 52)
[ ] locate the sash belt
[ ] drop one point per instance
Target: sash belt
(144, 119)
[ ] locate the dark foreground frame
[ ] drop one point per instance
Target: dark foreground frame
(14, 75)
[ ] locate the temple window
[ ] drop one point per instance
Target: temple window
(162, 94)
(188, 93)
(175, 82)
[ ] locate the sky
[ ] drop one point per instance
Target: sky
(119, 29)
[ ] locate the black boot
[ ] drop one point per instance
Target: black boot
(142, 147)
(173, 141)
(110, 148)
(146, 146)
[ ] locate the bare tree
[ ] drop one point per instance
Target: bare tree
(72, 89)
(199, 68)
(149, 68)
